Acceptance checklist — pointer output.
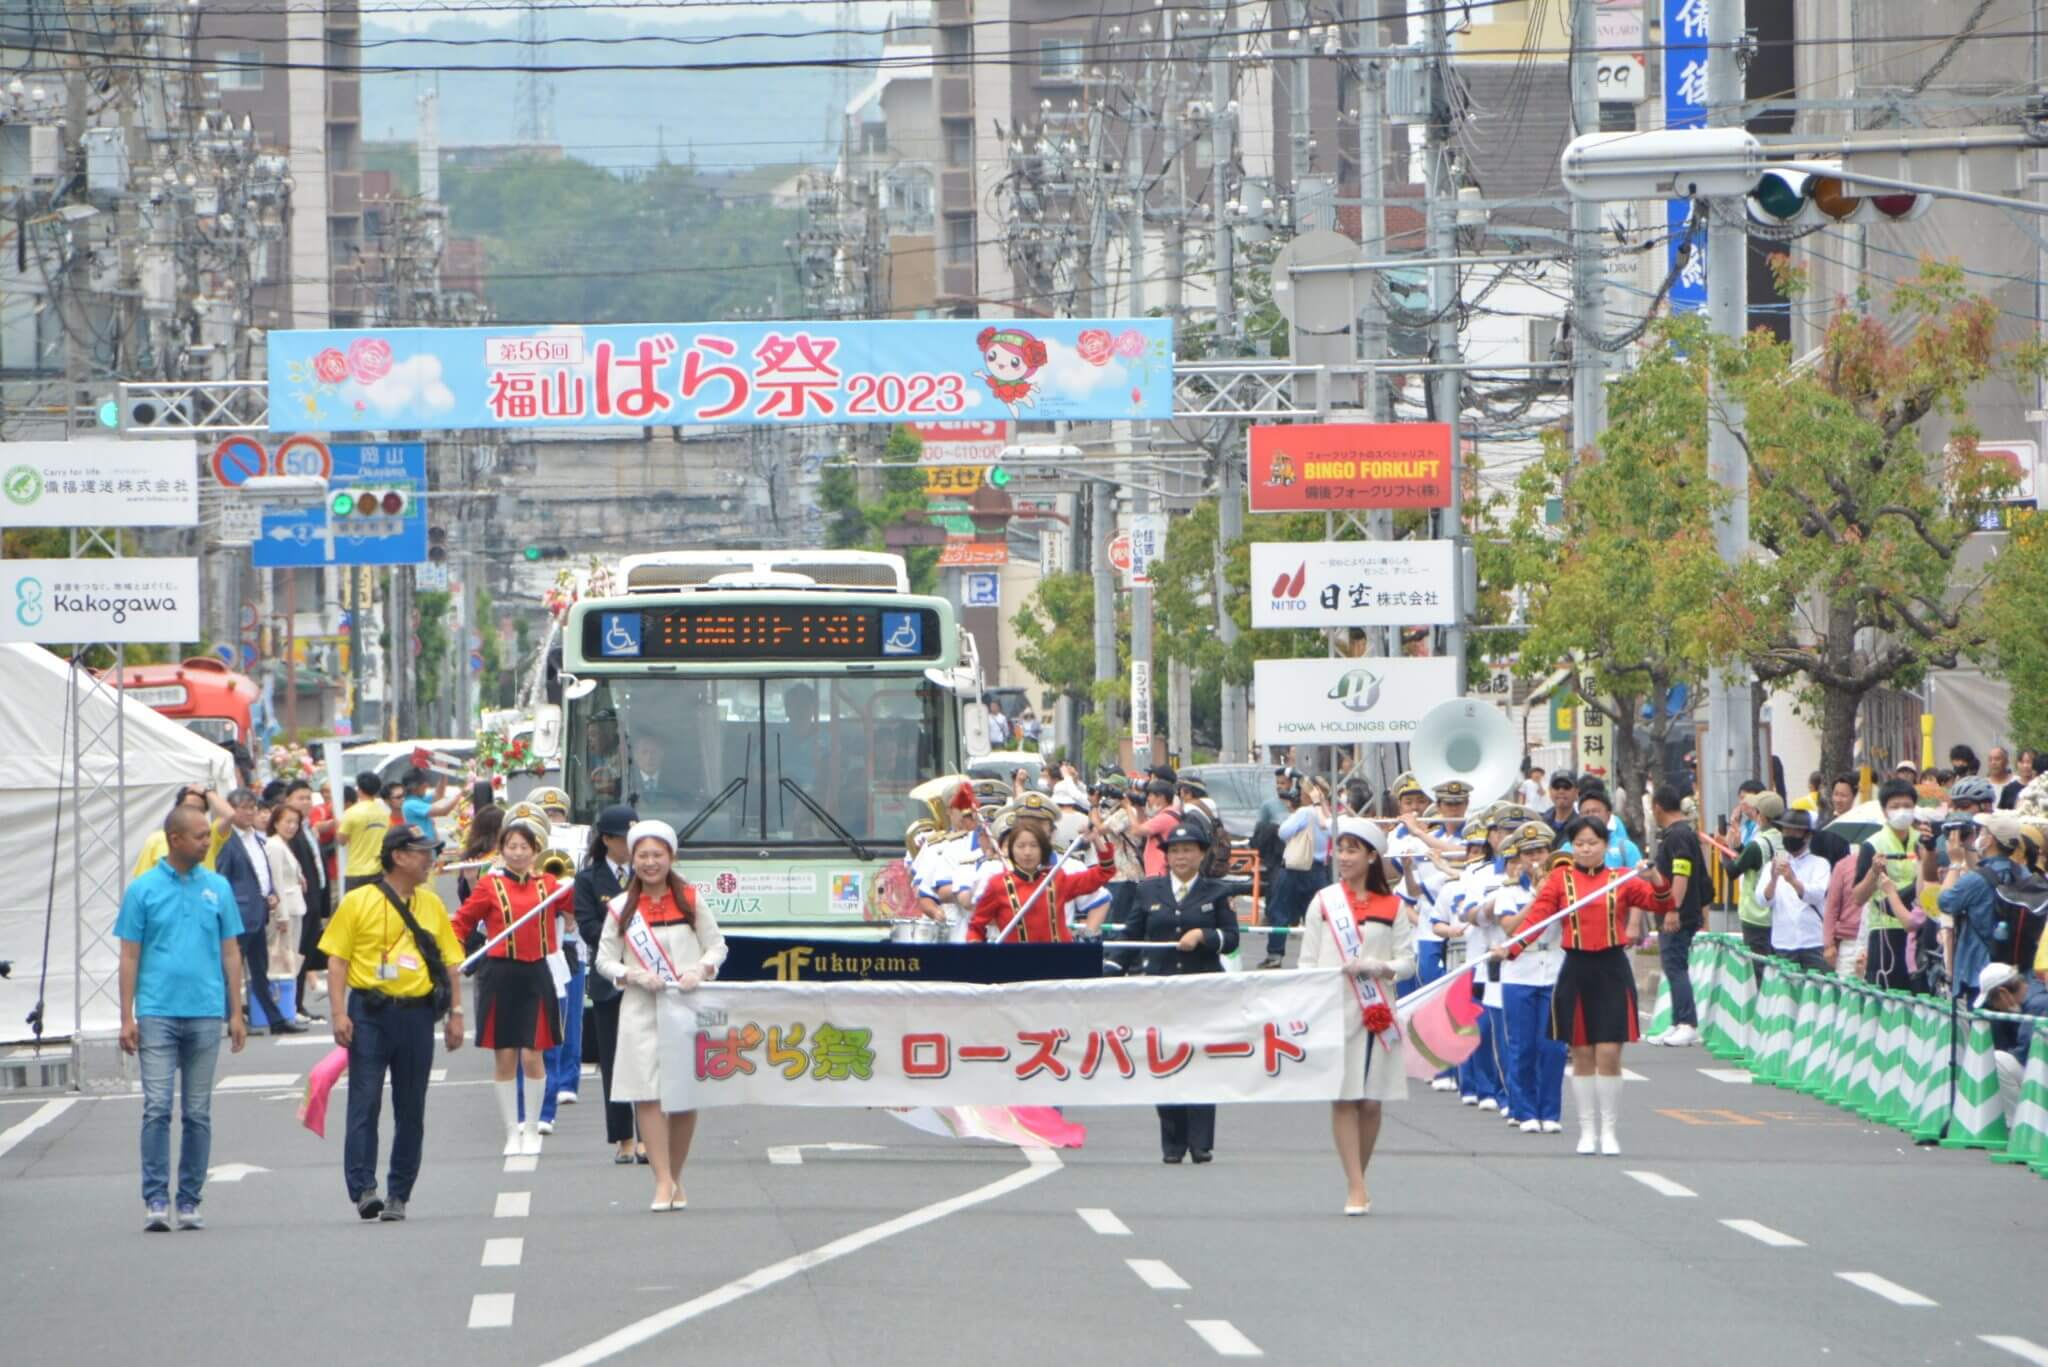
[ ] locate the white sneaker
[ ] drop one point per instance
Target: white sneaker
(1510, 1119)
(1587, 1142)
(1488, 1104)
(1609, 1145)
(529, 1145)
(1681, 1036)
(1531, 1127)
(1468, 1100)
(512, 1147)
(1661, 1037)
(547, 1127)
(1553, 1127)
(1443, 1084)
(565, 1098)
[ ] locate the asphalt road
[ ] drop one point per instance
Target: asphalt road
(1484, 1245)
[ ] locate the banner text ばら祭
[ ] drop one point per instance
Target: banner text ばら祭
(759, 374)
(1339, 467)
(99, 483)
(1352, 583)
(75, 601)
(1341, 702)
(1222, 1037)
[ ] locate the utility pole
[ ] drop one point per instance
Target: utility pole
(1134, 249)
(1731, 745)
(358, 608)
(1589, 394)
(1443, 298)
(1230, 509)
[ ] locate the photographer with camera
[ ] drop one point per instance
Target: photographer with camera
(1981, 852)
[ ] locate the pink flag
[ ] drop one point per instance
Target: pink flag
(319, 1083)
(1443, 1030)
(1024, 1126)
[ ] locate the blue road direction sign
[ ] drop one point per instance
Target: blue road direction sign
(297, 537)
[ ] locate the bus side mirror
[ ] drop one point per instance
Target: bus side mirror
(547, 731)
(974, 729)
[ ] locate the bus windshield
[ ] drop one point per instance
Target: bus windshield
(825, 760)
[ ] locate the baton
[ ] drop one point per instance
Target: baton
(501, 936)
(1048, 881)
(1525, 934)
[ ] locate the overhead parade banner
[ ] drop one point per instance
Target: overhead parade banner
(754, 374)
(1209, 1037)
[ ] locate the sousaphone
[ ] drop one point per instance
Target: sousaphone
(1469, 741)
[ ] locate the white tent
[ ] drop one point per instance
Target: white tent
(36, 847)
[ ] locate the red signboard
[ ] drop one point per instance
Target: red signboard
(1338, 467)
(975, 553)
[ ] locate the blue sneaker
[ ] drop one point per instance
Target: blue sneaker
(156, 1218)
(190, 1218)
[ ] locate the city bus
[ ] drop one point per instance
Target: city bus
(203, 693)
(776, 708)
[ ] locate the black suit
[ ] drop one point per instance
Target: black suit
(595, 886)
(319, 905)
(1157, 915)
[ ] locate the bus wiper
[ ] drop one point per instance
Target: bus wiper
(724, 795)
(852, 842)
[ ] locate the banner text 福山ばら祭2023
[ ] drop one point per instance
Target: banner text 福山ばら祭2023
(1203, 1037)
(760, 374)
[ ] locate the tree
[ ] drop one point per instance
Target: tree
(854, 522)
(1056, 642)
(1612, 551)
(1863, 585)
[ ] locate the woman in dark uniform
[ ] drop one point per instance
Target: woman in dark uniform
(1593, 1009)
(1191, 917)
(607, 868)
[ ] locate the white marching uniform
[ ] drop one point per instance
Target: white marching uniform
(1384, 1076)
(1409, 851)
(1462, 900)
(1538, 965)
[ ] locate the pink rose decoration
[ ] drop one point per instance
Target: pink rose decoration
(369, 359)
(1137, 398)
(331, 366)
(1131, 343)
(1094, 346)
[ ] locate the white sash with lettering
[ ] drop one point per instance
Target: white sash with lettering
(1337, 911)
(648, 950)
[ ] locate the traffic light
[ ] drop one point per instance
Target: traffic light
(534, 553)
(370, 501)
(437, 545)
(110, 415)
(1786, 198)
(998, 476)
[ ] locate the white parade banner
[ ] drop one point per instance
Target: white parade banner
(99, 482)
(130, 600)
(1207, 1037)
(1341, 702)
(1352, 583)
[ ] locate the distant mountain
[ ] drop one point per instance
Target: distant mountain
(624, 119)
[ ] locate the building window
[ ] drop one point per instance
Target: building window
(959, 142)
(959, 239)
(1059, 59)
(241, 68)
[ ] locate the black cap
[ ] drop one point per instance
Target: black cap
(1795, 819)
(1563, 779)
(401, 838)
(1193, 786)
(616, 820)
(1188, 833)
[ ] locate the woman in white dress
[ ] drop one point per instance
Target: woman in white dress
(1356, 924)
(657, 938)
(289, 879)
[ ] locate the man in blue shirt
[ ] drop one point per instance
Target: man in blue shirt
(419, 810)
(178, 930)
(1975, 868)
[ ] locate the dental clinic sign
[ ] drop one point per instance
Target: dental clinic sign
(67, 601)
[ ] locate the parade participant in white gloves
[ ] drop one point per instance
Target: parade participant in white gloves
(1532, 1061)
(657, 938)
(1357, 923)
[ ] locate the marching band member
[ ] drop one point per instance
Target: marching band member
(1423, 880)
(1479, 1077)
(1593, 1007)
(1358, 924)
(657, 938)
(1024, 832)
(1192, 914)
(516, 1001)
(1533, 1063)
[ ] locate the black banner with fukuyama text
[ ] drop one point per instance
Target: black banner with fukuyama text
(773, 958)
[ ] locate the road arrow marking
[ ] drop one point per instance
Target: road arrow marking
(232, 1172)
(792, 1155)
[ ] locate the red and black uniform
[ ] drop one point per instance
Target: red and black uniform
(516, 1003)
(1044, 923)
(1595, 998)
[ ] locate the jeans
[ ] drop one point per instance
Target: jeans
(398, 1040)
(561, 1066)
(1674, 955)
(174, 1045)
(1534, 1062)
(256, 969)
(1480, 1075)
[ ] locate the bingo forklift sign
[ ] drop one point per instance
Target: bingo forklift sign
(755, 374)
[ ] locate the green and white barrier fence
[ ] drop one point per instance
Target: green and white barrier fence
(1919, 1064)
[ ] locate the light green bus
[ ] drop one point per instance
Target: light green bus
(776, 708)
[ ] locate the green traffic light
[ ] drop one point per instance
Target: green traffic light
(110, 415)
(998, 476)
(343, 505)
(532, 552)
(1781, 198)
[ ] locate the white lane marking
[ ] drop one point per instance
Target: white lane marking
(792, 1155)
(1890, 1290)
(1631, 1075)
(11, 1137)
(255, 1082)
(1224, 1337)
(1764, 1234)
(305, 1041)
(1660, 1184)
(1156, 1274)
(513, 1205)
(1102, 1221)
(2024, 1349)
(503, 1252)
(1735, 1075)
(232, 1172)
(491, 1310)
(525, 1162)
(1041, 1163)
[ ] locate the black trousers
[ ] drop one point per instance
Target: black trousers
(1756, 939)
(1182, 1128)
(256, 970)
(618, 1115)
(396, 1042)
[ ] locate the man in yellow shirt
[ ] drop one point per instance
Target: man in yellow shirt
(362, 833)
(381, 980)
(199, 799)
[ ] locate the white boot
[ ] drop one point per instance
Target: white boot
(529, 1139)
(1584, 1102)
(508, 1108)
(1609, 1091)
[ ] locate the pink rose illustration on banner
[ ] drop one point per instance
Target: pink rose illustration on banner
(1095, 346)
(1137, 398)
(331, 366)
(1131, 343)
(369, 359)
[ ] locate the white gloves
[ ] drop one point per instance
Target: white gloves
(1364, 967)
(642, 979)
(688, 982)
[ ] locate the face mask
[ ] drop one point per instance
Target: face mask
(1794, 844)
(1900, 819)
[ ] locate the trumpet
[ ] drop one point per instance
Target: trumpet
(558, 863)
